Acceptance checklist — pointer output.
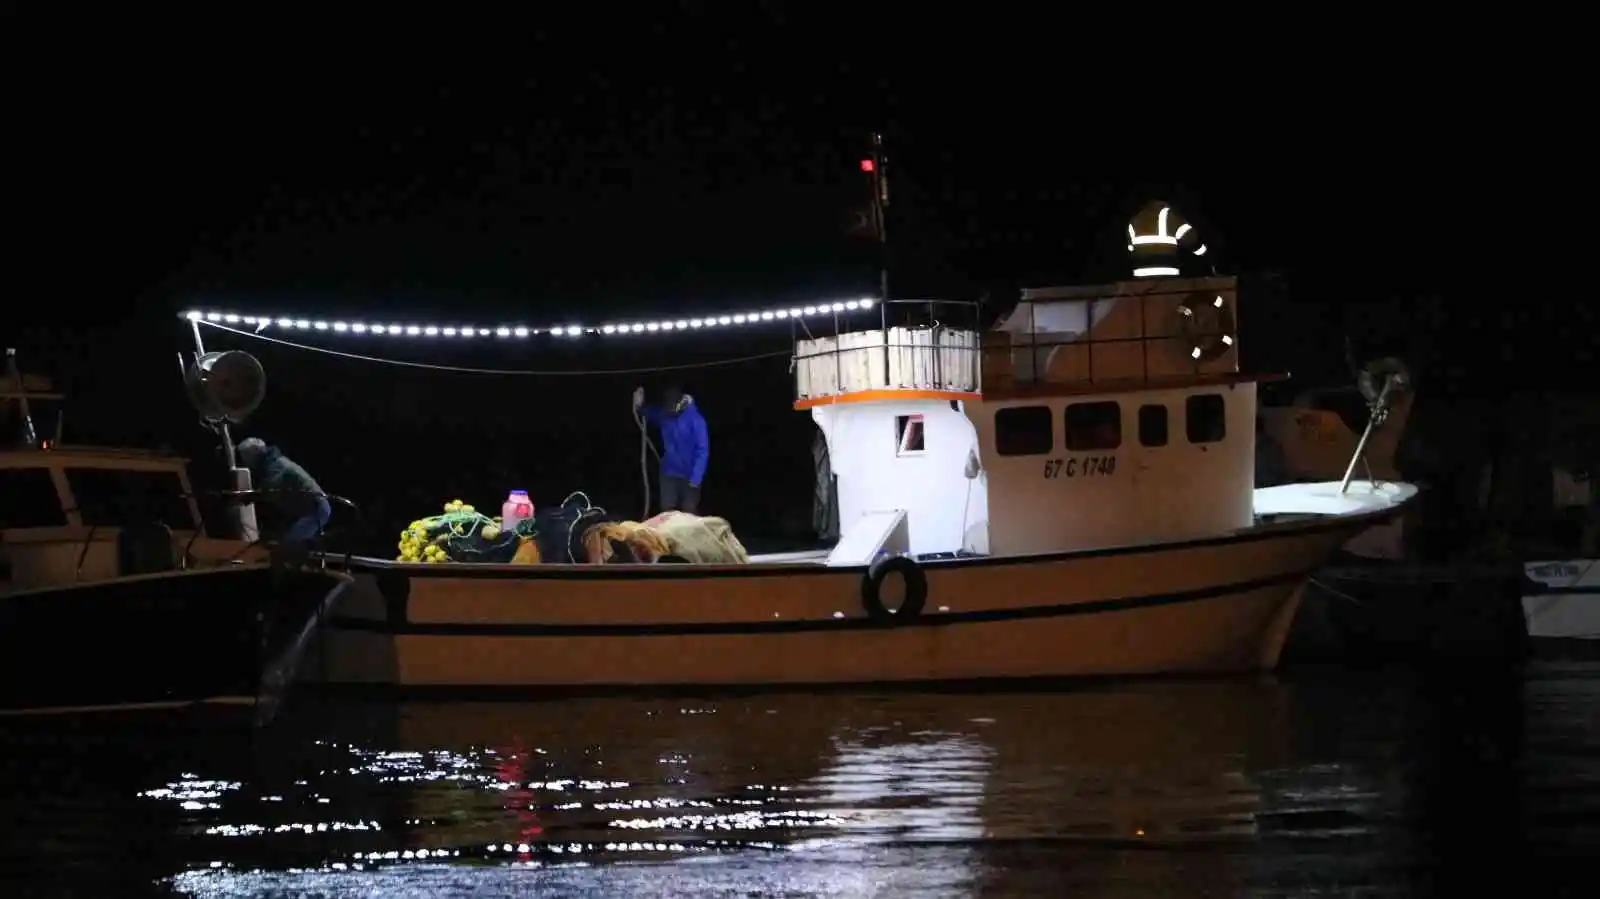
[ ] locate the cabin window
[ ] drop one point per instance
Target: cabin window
(1024, 431)
(1207, 418)
(109, 497)
(1152, 425)
(908, 435)
(1094, 426)
(30, 499)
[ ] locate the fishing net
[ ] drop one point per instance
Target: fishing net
(462, 534)
(556, 535)
(560, 529)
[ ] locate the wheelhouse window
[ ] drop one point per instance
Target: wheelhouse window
(1206, 418)
(1094, 426)
(908, 435)
(1152, 425)
(109, 497)
(28, 499)
(1024, 431)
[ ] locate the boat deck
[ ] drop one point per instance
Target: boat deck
(818, 556)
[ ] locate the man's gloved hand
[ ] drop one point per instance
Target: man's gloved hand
(638, 397)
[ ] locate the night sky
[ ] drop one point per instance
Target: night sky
(697, 164)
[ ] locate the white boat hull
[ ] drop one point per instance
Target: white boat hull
(1216, 605)
(1566, 615)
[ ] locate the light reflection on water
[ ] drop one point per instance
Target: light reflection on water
(1156, 789)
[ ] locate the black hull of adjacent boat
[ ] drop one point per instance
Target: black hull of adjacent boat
(227, 637)
(1405, 614)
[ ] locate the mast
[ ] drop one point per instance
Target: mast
(875, 165)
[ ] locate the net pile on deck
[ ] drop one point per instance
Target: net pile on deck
(575, 532)
(462, 534)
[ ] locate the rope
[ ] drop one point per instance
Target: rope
(646, 446)
(1335, 592)
(464, 370)
(588, 504)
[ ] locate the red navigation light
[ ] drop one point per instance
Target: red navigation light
(867, 165)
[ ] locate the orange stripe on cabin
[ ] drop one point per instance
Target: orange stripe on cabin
(1042, 389)
(870, 396)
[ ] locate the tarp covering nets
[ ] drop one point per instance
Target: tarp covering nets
(699, 538)
(575, 532)
(668, 537)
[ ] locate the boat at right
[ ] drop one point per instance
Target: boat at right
(1497, 561)
(1566, 613)
(1563, 612)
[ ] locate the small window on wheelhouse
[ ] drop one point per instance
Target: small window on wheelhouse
(908, 435)
(1153, 425)
(110, 497)
(28, 499)
(1206, 418)
(1094, 426)
(1024, 431)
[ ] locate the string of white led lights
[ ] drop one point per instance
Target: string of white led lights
(519, 372)
(385, 329)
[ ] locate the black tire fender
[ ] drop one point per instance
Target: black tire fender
(916, 581)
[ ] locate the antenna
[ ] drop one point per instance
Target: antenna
(26, 436)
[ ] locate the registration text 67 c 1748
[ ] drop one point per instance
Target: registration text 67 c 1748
(1080, 467)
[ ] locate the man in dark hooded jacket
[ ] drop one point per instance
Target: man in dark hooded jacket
(287, 488)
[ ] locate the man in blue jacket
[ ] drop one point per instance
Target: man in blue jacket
(685, 448)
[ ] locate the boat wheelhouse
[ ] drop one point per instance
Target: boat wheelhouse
(1088, 417)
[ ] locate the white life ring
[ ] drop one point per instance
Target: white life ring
(1207, 325)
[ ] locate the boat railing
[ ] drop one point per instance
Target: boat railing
(919, 345)
(322, 542)
(361, 529)
(1160, 333)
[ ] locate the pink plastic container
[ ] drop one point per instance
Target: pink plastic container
(516, 508)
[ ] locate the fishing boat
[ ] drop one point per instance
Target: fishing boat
(1317, 434)
(1379, 600)
(1068, 493)
(114, 596)
(1563, 615)
(1563, 611)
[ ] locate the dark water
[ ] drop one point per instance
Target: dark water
(1310, 785)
